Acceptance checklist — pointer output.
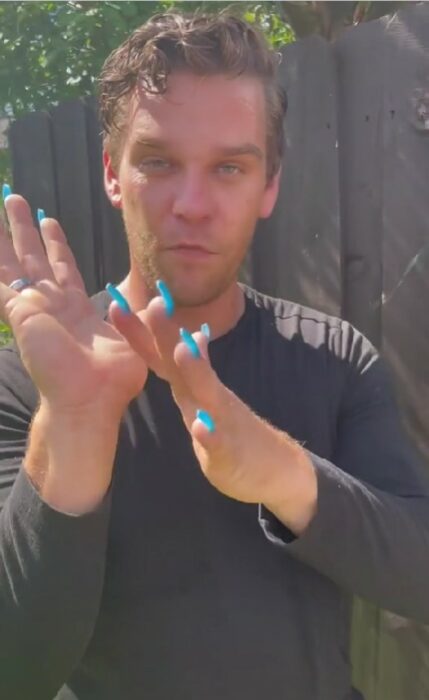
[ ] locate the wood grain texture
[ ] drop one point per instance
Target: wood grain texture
(296, 253)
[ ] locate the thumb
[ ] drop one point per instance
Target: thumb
(206, 433)
(213, 402)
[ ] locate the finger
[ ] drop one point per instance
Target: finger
(209, 438)
(10, 268)
(6, 296)
(26, 240)
(199, 376)
(60, 256)
(139, 337)
(165, 332)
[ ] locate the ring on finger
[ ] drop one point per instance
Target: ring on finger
(21, 283)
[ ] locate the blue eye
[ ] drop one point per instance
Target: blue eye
(156, 164)
(229, 169)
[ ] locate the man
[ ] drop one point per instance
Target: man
(190, 517)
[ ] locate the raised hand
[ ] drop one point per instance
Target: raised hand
(76, 360)
(241, 454)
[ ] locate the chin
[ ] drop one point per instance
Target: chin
(188, 295)
(188, 300)
(189, 288)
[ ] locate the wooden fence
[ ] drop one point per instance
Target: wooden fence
(349, 235)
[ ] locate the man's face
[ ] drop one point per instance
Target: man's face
(192, 182)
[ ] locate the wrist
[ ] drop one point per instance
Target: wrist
(70, 457)
(88, 417)
(292, 492)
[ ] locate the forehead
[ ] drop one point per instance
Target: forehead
(200, 110)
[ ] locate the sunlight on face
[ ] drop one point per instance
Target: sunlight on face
(193, 182)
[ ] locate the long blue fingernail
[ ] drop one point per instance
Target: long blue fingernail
(166, 295)
(190, 342)
(205, 330)
(41, 215)
(206, 418)
(6, 191)
(117, 296)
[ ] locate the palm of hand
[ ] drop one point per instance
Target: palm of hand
(75, 359)
(73, 356)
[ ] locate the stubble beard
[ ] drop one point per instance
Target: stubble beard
(142, 247)
(144, 254)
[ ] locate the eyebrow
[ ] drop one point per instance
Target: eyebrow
(244, 149)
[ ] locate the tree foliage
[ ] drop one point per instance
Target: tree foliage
(53, 51)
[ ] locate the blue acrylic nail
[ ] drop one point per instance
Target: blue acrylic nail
(205, 330)
(117, 296)
(166, 295)
(41, 215)
(190, 342)
(6, 191)
(206, 418)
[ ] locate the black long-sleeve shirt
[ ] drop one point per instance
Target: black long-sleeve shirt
(170, 590)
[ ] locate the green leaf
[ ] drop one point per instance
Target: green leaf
(47, 46)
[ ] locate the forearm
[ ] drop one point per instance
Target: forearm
(51, 579)
(70, 457)
(53, 538)
(371, 543)
(292, 492)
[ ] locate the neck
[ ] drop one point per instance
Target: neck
(222, 313)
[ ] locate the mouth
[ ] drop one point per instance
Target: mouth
(190, 251)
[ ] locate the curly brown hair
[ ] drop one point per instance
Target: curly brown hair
(203, 44)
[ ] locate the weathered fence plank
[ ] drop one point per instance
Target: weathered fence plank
(384, 169)
(360, 74)
(404, 645)
(34, 172)
(296, 253)
(405, 213)
(109, 228)
(74, 187)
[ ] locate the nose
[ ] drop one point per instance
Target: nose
(193, 198)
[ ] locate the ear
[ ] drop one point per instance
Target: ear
(111, 182)
(270, 195)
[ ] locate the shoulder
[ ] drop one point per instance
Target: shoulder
(309, 328)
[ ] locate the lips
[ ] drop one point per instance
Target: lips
(190, 253)
(190, 247)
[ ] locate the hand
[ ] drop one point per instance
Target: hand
(244, 457)
(76, 360)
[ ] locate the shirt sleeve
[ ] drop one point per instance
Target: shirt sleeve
(370, 534)
(51, 564)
